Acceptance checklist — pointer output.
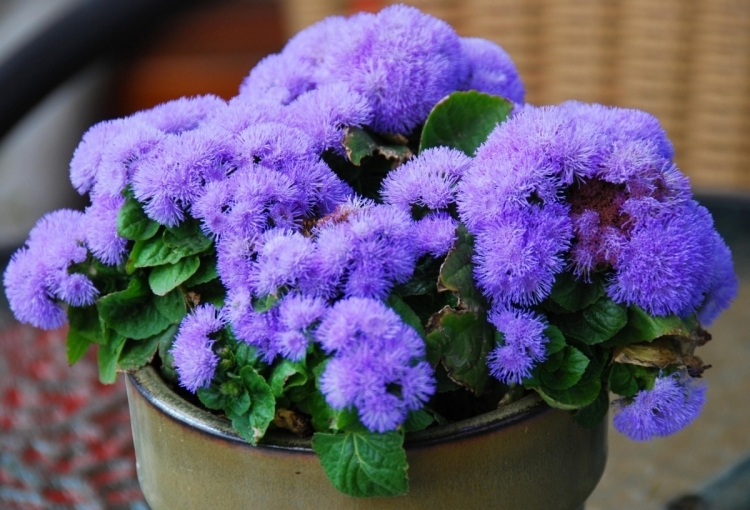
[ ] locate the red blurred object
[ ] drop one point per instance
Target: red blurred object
(66, 441)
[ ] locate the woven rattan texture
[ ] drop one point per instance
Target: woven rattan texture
(685, 61)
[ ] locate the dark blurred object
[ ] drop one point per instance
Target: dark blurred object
(207, 49)
(87, 31)
(728, 491)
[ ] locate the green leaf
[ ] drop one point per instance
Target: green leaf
(580, 394)
(85, 329)
(569, 372)
(265, 303)
(76, 346)
(285, 375)
(418, 420)
(212, 397)
(132, 222)
(573, 294)
(556, 339)
(177, 242)
(363, 464)
(132, 312)
(457, 272)
(245, 355)
(108, 354)
(463, 121)
(595, 324)
(325, 418)
(206, 271)
(406, 313)
(252, 424)
(151, 252)
(171, 306)
(359, 145)
(138, 353)
(166, 339)
(187, 238)
(164, 278)
(85, 320)
(642, 327)
(592, 415)
(622, 380)
(239, 404)
(462, 341)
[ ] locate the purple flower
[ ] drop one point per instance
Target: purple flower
(435, 234)
(170, 182)
(38, 274)
(101, 228)
(87, 157)
(428, 180)
(724, 284)
(518, 255)
(491, 69)
(325, 112)
(135, 143)
(279, 79)
(194, 358)
(274, 145)
(242, 112)
(298, 314)
(523, 345)
(666, 266)
(315, 45)
(403, 62)
(183, 114)
(377, 367)
(213, 205)
(673, 403)
(283, 257)
(234, 259)
(261, 199)
(26, 289)
(382, 251)
(257, 329)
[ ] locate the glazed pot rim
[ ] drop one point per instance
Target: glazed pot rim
(157, 392)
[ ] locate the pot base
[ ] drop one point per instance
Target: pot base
(525, 456)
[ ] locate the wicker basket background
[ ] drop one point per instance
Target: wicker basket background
(685, 61)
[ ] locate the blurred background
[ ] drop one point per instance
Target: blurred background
(685, 61)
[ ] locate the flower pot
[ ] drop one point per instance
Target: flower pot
(525, 456)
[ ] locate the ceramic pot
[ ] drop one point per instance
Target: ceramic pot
(525, 456)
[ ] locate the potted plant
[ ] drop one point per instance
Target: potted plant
(377, 239)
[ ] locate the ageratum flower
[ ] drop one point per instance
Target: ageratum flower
(194, 358)
(427, 181)
(324, 112)
(376, 367)
(724, 283)
(183, 114)
(518, 255)
(298, 315)
(101, 228)
(491, 69)
(523, 344)
(435, 234)
(169, 183)
(673, 404)
(593, 188)
(87, 157)
(37, 275)
(283, 258)
(403, 62)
